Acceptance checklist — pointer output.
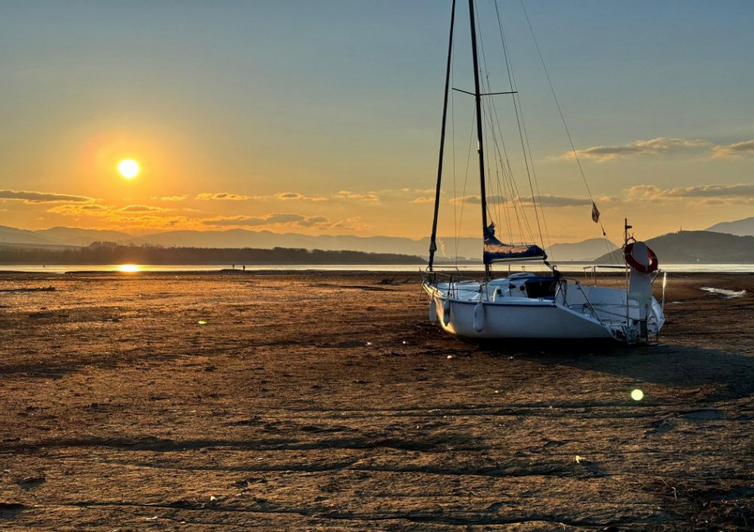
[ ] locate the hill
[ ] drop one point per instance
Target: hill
(11, 235)
(743, 227)
(74, 236)
(580, 251)
(697, 246)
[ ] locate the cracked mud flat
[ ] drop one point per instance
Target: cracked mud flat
(327, 402)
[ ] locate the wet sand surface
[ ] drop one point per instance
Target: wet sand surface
(320, 401)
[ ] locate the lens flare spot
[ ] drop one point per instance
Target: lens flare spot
(128, 268)
(637, 394)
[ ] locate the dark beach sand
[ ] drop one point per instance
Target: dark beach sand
(317, 401)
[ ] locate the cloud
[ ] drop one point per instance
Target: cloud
(42, 197)
(311, 221)
(638, 148)
(423, 199)
(131, 216)
(367, 197)
(171, 198)
(139, 208)
(350, 224)
(711, 194)
(406, 190)
(153, 222)
(544, 200)
(736, 150)
(665, 145)
(295, 196)
(714, 191)
(269, 219)
(224, 196)
(108, 212)
(556, 201)
(287, 219)
(77, 210)
(476, 200)
(370, 197)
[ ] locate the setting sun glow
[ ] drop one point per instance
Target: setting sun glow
(128, 168)
(128, 268)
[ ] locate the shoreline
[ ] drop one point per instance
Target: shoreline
(345, 271)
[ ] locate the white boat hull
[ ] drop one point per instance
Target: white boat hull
(481, 312)
(547, 321)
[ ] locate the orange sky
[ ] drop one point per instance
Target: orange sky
(326, 121)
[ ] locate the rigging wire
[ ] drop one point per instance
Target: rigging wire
(465, 181)
(500, 167)
(493, 120)
(562, 118)
(518, 209)
(519, 118)
(516, 96)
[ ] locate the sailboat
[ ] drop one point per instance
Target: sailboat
(528, 305)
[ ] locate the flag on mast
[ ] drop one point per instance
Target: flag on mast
(595, 213)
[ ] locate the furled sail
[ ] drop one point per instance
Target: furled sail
(494, 250)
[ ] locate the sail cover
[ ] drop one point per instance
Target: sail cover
(494, 250)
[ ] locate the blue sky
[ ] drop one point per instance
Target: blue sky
(330, 111)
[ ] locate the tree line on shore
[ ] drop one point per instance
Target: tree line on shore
(117, 254)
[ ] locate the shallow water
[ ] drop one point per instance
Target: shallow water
(63, 268)
(727, 294)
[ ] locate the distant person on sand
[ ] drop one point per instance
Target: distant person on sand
(243, 267)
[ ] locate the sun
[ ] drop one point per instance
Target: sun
(128, 168)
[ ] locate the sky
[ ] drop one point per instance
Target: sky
(324, 117)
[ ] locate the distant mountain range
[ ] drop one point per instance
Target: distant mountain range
(696, 247)
(81, 237)
(724, 242)
(469, 248)
(743, 227)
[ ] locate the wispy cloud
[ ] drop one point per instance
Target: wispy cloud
(475, 200)
(736, 150)
(366, 197)
(556, 201)
(131, 216)
(42, 197)
(656, 146)
(269, 219)
(294, 220)
(370, 197)
(140, 208)
(295, 196)
(526, 201)
(224, 196)
(91, 209)
(171, 198)
(665, 146)
(350, 224)
(711, 194)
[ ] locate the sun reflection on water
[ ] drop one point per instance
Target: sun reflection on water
(129, 268)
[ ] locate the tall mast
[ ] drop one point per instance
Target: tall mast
(480, 144)
(433, 238)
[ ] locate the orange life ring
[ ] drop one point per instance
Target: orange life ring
(653, 262)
